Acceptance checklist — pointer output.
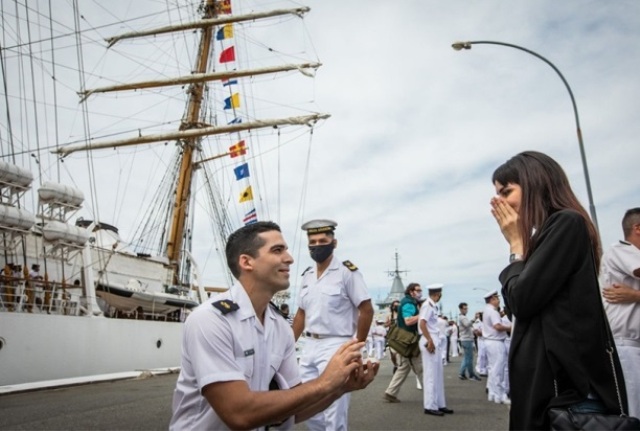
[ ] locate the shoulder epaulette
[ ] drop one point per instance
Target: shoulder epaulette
(350, 265)
(226, 306)
(306, 270)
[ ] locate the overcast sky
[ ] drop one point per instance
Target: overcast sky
(416, 128)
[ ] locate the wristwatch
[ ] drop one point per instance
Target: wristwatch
(513, 257)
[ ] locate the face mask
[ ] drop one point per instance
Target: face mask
(418, 295)
(320, 253)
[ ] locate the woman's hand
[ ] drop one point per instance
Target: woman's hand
(507, 219)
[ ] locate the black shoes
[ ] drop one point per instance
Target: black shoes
(446, 410)
(433, 412)
(461, 377)
(476, 378)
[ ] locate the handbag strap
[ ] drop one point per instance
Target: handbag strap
(609, 340)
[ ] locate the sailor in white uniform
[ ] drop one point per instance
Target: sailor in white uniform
(238, 351)
(334, 305)
(495, 332)
(620, 283)
(430, 348)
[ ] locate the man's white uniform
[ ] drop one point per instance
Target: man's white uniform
(496, 354)
(443, 327)
(618, 265)
(230, 345)
(379, 332)
(432, 367)
(330, 304)
(481, 360)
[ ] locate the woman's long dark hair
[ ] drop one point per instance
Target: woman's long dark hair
(545, 190)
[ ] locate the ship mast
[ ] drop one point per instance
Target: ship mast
(185, 175)
(192, 129)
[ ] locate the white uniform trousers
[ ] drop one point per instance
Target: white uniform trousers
(442, 348)
(315, 357)
(378, 348)
(497, 355)
(368, 346)
(453, 348)
(481, 362)
(433, 380)
(507, 346)
(629, 354)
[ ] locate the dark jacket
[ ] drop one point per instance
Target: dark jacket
(559, 330)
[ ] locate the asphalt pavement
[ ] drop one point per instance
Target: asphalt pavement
(145, 404)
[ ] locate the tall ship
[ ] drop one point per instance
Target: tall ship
(135, 137)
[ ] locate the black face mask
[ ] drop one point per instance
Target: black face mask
(320, 253)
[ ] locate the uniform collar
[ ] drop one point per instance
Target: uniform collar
(333, 265)
(624, 242)
(433, 304)
(240, 297)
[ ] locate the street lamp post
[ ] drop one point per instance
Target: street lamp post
(467, 45)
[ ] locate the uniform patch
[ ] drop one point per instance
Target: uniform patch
(249, 352)
(350, 265)
(226, 306)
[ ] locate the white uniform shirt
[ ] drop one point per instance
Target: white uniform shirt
(429, 313)
(378, 332)
(443, 327)
(331, 302)
(233, 346)
(490, 317)
(618, 264)
(477, 326)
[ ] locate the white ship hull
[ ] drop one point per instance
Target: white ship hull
(40, 347)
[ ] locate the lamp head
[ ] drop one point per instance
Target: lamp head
(458, 46)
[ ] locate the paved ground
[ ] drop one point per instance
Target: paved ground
(146, 405)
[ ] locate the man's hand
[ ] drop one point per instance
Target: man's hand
(362, 376)
(620, 294)
(345, 361)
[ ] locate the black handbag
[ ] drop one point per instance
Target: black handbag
(565, 419)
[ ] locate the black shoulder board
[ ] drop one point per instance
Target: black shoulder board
(277, 310)
(350, 265)
(225, 306)
(305, 271)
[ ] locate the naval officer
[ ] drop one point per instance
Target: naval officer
(494, 331)
(333, 306)
(431, 352)
(238, 352)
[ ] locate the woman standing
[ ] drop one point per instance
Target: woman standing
(557, 356)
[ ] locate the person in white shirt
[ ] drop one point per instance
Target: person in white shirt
(620, 283)
(334, 305)
(481, 360)
(494, 333)
(239, 369)
(430, 349)
(379, 332)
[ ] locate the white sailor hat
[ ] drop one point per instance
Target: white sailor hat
(434, 288)
(488, 295)
(319, 226)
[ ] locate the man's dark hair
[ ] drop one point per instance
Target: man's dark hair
(462, 304)
(410, 288)
(631, 218)
(246, 241)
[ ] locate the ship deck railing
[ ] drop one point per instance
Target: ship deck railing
(28, 296)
